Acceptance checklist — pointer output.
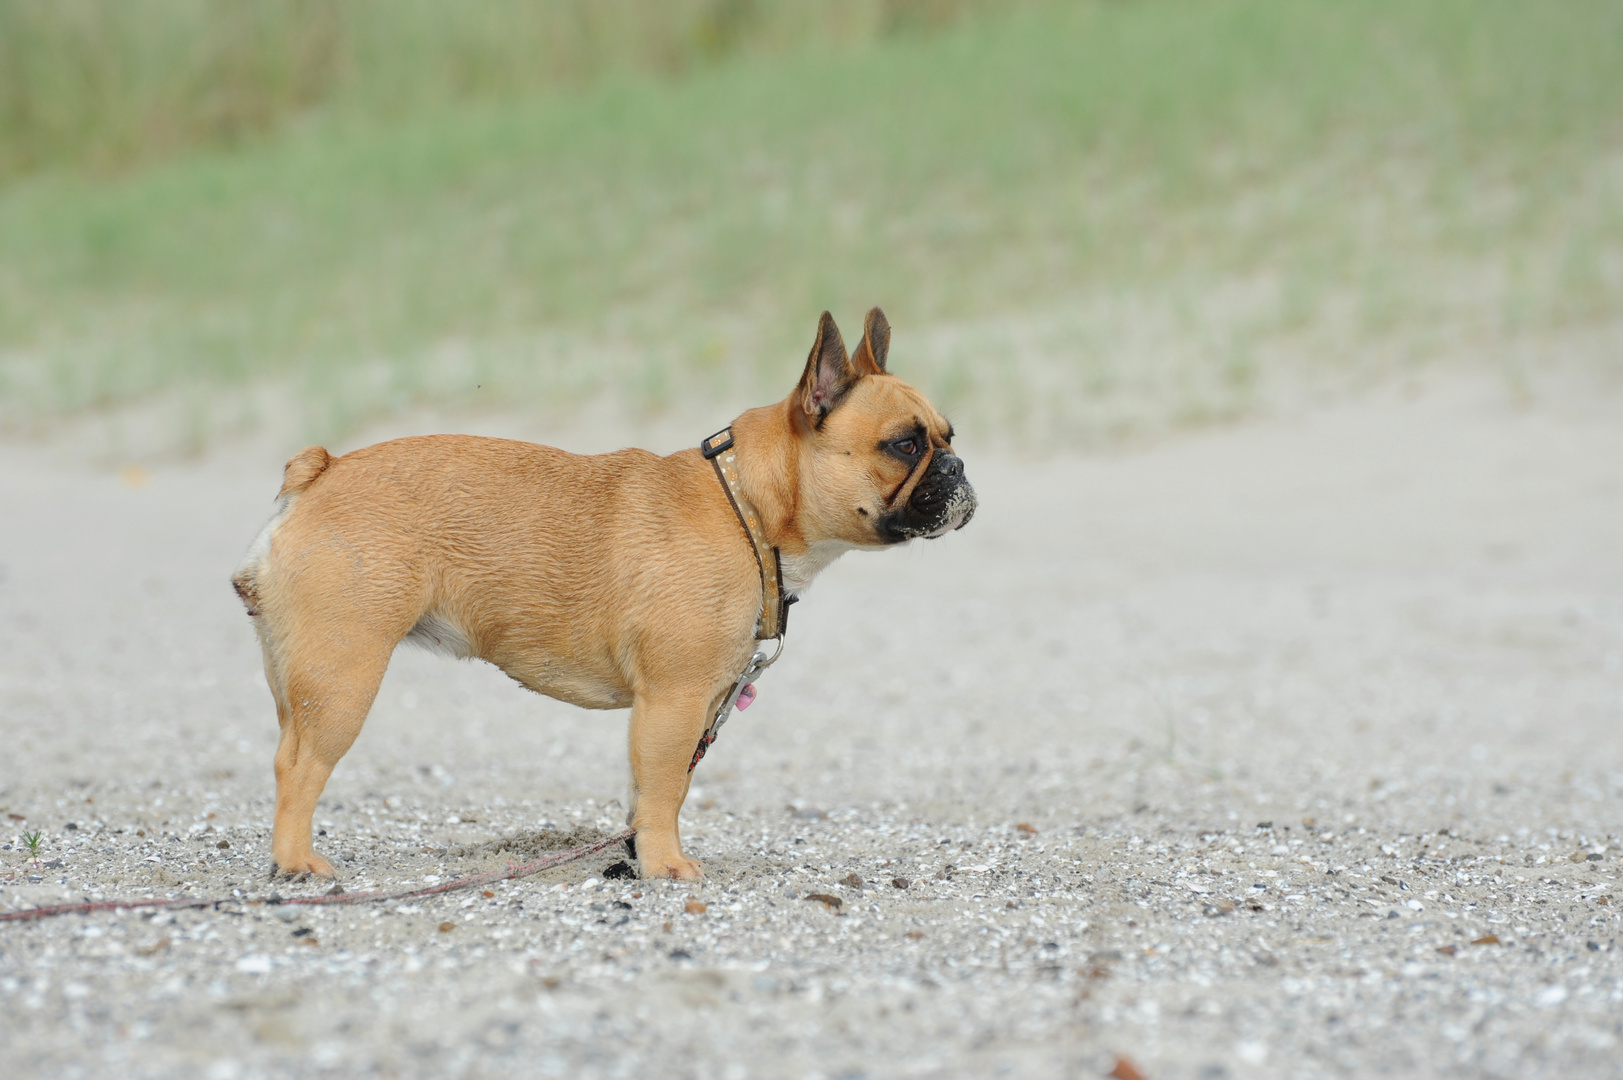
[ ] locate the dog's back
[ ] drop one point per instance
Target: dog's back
(516, 553)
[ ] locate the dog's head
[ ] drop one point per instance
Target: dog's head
(877, 465)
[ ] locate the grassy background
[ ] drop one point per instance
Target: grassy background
(1085, 220)
(110, 83)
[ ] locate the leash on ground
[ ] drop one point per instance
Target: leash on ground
(512, 872)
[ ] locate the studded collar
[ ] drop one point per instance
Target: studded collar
(773, 619)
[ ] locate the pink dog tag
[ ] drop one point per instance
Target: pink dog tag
(746, 696)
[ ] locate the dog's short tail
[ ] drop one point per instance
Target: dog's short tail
(302, 469)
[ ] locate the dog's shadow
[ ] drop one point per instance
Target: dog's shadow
(536, 843)
(527, 845)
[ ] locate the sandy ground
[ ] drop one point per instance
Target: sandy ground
(1287, 749)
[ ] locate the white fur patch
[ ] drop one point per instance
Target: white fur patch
(259, 550)
(438, 634)
(799, 570)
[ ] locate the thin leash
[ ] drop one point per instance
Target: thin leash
(771, 625)
(512, 872)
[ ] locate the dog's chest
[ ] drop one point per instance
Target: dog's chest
(799, 570)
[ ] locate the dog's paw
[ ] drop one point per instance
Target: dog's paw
(671, 866)
(305, 866)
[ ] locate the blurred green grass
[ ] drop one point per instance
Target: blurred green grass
(108, 83)
(1085, 220)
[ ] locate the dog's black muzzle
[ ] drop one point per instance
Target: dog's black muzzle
(942, 502)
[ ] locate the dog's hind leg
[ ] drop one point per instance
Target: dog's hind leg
(321, 702)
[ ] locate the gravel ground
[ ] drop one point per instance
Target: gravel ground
(1289, 749)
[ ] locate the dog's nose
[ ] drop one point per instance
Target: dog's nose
(949, 465)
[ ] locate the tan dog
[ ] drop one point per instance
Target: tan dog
(607, 581)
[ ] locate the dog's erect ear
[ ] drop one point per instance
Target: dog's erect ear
(828, 371)
(869, 359)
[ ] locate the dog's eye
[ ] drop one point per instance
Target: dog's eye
(907, 447)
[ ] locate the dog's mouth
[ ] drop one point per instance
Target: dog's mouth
(934, 511)
(960, 508)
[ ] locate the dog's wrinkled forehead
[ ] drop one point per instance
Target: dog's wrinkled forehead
(892, 409)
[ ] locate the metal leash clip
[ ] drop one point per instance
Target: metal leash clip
(758, 663)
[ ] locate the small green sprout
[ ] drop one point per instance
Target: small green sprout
(32, 839)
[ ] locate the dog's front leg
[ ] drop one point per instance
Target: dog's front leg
(665, 730)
